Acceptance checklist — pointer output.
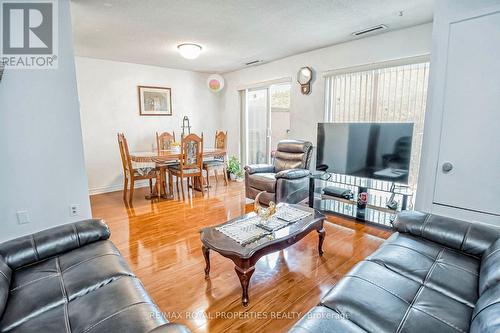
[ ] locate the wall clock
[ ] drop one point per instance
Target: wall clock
(304, 77)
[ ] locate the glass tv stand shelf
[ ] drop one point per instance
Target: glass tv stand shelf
(379, 193)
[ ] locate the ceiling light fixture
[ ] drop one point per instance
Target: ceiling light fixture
(189, 50)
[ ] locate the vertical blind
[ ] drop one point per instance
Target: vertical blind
(389, 94)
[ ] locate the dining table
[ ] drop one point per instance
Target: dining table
(160, 158)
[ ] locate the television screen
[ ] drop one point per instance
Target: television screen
(370, 150)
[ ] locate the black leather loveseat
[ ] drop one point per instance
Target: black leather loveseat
(71, 278)
(434, 275)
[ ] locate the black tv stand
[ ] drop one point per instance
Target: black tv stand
(380, 192)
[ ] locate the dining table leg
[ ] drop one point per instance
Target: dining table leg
(154, 192)
(159, 190)
(164, 191)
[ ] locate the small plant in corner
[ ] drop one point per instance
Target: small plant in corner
(234, 169)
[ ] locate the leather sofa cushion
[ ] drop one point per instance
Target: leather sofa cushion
(285, 161)
(294, 146)
(47, 243)
(471, 238)
(486, 318)
(5, 276)
(263, 182)
(433, 264)
(292, 154)
(79, 290)
(115, 307)
(490, 268)
(409, 285)
(259, 168)
(293, 174)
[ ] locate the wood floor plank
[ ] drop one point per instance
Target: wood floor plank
(160, 240)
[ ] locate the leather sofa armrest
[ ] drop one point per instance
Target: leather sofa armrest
(50, 242)
(171, 328)
(259, 168)
(293, 174)
(472, 238)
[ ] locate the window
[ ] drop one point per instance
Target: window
(280, 97)
(396, 93)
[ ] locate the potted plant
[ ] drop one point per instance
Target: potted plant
(234, 169)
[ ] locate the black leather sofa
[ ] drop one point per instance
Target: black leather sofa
(287, 179)
(435, 274)
(71, 278)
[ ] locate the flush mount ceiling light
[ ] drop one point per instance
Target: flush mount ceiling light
(189, 50)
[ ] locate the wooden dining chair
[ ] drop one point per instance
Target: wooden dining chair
(218, 163)
(131, 174)
(190, 164)
(164, 140)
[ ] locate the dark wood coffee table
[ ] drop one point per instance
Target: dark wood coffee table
(246, 256)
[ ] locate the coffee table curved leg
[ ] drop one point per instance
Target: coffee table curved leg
(322, 234)
(244, 275)
(206, 254)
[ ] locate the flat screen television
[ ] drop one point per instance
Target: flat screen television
(369, 150)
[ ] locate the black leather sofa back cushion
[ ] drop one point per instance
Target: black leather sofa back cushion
(5, 275)
(48, 243)
(471, 238)
(489, 275)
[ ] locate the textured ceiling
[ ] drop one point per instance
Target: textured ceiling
(232, 32)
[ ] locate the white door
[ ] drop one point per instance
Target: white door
(468, 174)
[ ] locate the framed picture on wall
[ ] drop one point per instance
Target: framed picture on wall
(155, 101)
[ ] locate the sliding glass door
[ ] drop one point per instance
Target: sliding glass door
(266, 121)
(257, 126)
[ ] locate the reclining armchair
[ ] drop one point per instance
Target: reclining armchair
(287, 179)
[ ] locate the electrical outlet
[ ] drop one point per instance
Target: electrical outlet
(74, 210)
(23, 217)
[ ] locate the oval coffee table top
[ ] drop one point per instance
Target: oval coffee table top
(219, 242)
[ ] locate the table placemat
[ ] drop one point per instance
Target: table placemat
(253, 228)
(291, 214)
(244, 231)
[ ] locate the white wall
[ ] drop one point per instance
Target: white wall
(42, 165)
(446, 12)
(308, 110)
(109, 104)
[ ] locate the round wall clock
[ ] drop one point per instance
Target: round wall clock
(215, 82)
(304, 77)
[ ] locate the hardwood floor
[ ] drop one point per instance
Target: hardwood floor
(160, 240)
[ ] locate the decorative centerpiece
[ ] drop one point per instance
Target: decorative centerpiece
(264, 213)
(176, 146)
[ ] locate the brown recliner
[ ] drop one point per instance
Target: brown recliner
(287, 179)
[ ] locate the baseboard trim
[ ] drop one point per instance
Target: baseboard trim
(115, 188)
